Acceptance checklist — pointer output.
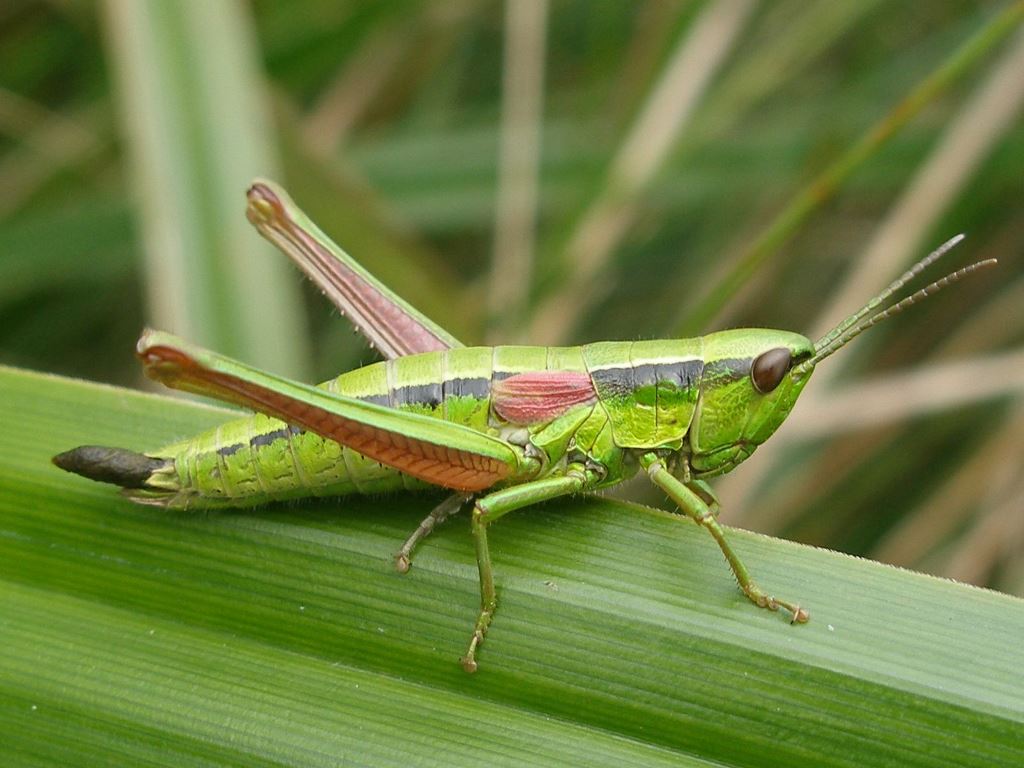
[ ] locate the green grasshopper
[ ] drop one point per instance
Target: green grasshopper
(502, 427)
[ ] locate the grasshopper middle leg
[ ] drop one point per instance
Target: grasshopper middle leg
(488, 509)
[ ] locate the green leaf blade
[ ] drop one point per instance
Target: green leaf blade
(284, 636)
(192, 106)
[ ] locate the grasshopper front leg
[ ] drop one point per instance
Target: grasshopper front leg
(494, 505)
(695, 507)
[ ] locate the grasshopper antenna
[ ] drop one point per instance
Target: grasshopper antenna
(862, 319)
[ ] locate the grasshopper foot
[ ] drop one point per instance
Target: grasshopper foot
(800, 615)
(469, 663)
(762, 599)
(469, 660)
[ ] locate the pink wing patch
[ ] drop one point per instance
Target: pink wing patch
(539, 396)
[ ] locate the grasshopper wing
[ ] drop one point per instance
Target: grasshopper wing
(430, 449)
(389, 323)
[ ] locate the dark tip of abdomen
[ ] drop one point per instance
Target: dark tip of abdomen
(110, 465)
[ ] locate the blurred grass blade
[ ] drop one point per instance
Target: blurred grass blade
(984, 120)
(787, 40)
(48, 143)
(284, 637)
(199, 133)
(996, 535)
(515, 226)
(990, 472)
(355, 215)
(895, 397)
(723, 287)
(664, 116)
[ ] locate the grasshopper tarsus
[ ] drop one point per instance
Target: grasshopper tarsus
(762, 599)
(468, 661)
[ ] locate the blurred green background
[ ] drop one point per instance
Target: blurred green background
(558, 172)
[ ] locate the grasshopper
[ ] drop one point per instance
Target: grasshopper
(502, 427)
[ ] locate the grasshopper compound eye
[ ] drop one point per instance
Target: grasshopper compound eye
(769, 368)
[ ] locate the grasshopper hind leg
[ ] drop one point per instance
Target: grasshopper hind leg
(440, 513)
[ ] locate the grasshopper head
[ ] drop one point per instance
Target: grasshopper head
(752, 377)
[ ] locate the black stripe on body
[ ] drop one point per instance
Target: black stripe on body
(433, 394)
(645, 375)
(228, 450)
(427, 395)
(480, 388)
(260, 440)
(614, 382)
(623, 382)
(684, 374)
(728, 369)
(278, 434)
